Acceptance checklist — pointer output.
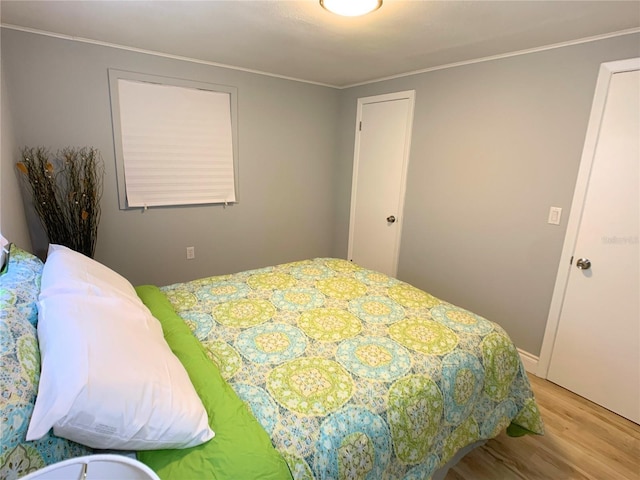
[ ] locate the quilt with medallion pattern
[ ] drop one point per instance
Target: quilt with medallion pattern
(355, 374)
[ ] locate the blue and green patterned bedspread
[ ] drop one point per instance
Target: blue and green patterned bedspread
(354, 374)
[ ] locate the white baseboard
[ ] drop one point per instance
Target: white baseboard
(529, 361)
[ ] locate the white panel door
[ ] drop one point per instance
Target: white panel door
(597, 344)
(379, 174)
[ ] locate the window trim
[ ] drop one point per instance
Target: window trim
(115, 75)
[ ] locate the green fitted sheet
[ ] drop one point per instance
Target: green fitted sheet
(241, 449)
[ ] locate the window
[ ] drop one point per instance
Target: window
(176, 140)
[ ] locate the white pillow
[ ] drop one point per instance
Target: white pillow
(68, 271)
(109, 380)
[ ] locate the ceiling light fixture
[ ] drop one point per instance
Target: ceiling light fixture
(351, 8)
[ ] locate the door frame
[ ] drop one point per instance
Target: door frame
(606, 72)
(409, 95)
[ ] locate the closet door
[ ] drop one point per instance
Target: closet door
(383, 136)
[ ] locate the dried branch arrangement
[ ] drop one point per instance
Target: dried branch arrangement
(66, 193)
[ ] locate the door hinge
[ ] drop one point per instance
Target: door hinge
(360, 127)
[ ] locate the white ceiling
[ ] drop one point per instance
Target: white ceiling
(298, 39)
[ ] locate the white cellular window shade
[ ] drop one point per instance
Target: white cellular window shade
(176, 144)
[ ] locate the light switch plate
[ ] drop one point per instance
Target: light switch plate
(554, 215)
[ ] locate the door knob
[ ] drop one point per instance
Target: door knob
(391, 219)
(583, 264)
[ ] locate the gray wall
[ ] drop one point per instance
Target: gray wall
(13, 223)
(494, 145)
(287, 145)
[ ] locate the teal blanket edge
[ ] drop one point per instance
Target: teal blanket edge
(241, 449)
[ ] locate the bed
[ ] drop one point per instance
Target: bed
(335, 371)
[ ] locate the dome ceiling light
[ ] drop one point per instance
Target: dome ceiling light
(351, 8)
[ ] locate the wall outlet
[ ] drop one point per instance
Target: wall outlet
(191, 253)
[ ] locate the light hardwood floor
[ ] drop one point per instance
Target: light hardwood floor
(582, 441)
